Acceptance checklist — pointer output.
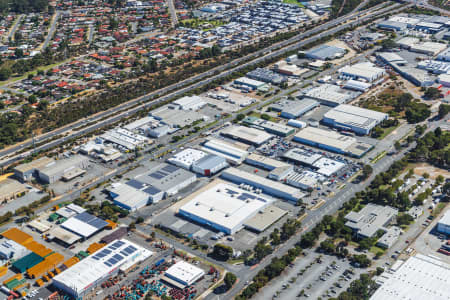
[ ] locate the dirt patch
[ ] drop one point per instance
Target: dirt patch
(434, 172)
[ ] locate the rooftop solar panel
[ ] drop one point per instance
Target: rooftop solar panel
(85, 217)
(124, 253)
(98, 223)
(170, 168)
(107, 263)
(151, 190)
(136, 184)
(118, 257)
(157, 176)
(118, 244)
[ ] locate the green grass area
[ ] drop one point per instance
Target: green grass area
(378, 157)
(438, 209)
(375, 249)
(386, 132)
(258, 115)
(294, 2)
(197, 23)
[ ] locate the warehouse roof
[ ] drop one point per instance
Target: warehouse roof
(246, 134)
(265, 162)
(370, 219)
(186, 157)
(64, 235)
(233, 152)
(302, 156)
(420, 277)
(35, 164)
(84, 224)
(164, 177)
(355, 116)
(209, 162)
(327, 167)
(326, 137)
(324, 52)
(270, 184)
(223, 204)
(264, 219)
(10, 186)
(82, 275)
(184, 272)
(17, 235)
(294, 107)
(364, 70)
(329, 93)
(63, 165)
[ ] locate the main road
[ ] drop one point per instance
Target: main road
(115, 114)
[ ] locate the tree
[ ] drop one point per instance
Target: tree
(432, 93)
(222, 252)
(388, 44)
(5, 73)
(397, 145)
(229, 280)
(139, 220)
(18, 53)
(132, 226)
(265, 117)
(240, 117)
(32, 99)
(444, 109)
(380, 271)
(362, 260)
(366, 171)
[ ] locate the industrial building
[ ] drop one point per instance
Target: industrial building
(98, 149)
(85, 225)
(419, 277)
(133, 194)
(443, 226)
(327, 167)
(28, 171)
(182, 274)
(12, 250)
(429, 27)
(357, 85)
(389, 238)
(392, 25)
(305, 180)
(186, 158)
(362, 71)
(435, 66)
(78, 280)
(444, 55)
(370, 219)
(174, 117)
(235, 153)
(278, 170)
(266, 75)
(428, 48)
(251, 136)
(296, 123)
(125, 139)
(65, 169)
(391, 58)
(268, 186)
(353, 118)
(328, 94)
(209, 165)
(223, 207)
(325, 52)
(10, 189)
(444, 79)
(288, 69)
(190, 103)
(269, 126)
(250, 84)
(291, 109)
(264, 219)
(331, 141)
(167, 178)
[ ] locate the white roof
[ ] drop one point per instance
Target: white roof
(128, 195)
(187, 157)
(328, 166)
(355, 116)
(225, 205)
(185, 272)
(445, 219)
(97, 266)
(364, 70)
(420, 277)
(190, 102)
(125, 138)
(249, 81)
(226, 150)
(267, 162)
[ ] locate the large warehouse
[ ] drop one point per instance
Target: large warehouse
(365, 71)
(27, 171)
(321, 164)
(331, 141)
(209, 165)
(90, 272)
(65, 169)
(268, 186)
(279, 170)
(325, 52)
(10, 189)
(186, 158)
(353, 118)
(133, 194)
(84, 224)
(235, 153)
(183, 274)
(443, 226)
(420, 277)
(223, 207)
(251, 136)
(167, 178)
(328, 94)
(291, 109)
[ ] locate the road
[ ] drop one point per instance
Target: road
(173, 13)
(114, 114)
(14, 28)
(425, 4)
(51, 30)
